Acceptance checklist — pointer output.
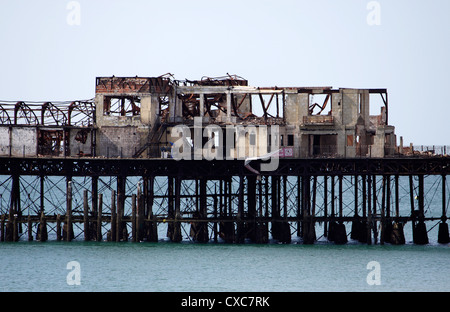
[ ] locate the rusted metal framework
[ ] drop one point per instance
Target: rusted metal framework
(76, 113)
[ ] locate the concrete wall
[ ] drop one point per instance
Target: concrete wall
(297, 106)
(149, 109)
(23, 141)
(4, 141)
(118, 141)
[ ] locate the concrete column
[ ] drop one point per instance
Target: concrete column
(202, 104)
(228, 106)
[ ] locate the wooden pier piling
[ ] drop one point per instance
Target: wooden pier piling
(228, 204)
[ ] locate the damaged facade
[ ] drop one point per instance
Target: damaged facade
(135, 117)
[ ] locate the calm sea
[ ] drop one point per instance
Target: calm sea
(169, 267)
(218, 267)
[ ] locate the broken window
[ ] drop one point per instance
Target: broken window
(290, 141)
(51, 142)
(319, 104)
(122, 106)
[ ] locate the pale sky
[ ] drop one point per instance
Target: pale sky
(270, 43)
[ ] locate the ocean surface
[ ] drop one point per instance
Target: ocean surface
(189, 267)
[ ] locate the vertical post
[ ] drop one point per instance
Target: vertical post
(69, 226)
(203, 228)
(340, 230)
(152, 228)
(43, 234)
(311, 221)
(99, 218)
(333, 198)
(411, 193)
(369, 210)
(113, 216)
(260, 198)
(420, 235)
(119, 213)
(266, 193)
(388, 196)
(276, 222)
(202, 104)
(42, 193)
(177, 231)
(87, 235)
(230, 202)
(285, 197)
(356, 224)
(12, 231)
(356, 195)
(332, 222)
(383, 209)
(444, 198)
(299, 194)
(139, 214)
(94, 203)
(2, 228)
(170, 209)
(228, 106)
(240, 226)
(30, 229)
(58, 227)
(133, 218)
(421, 196)
(260, 226)
(397, 197)
(374, 197)
(306, 209)
(215, 207)
(325, 205)
(251, 208)
(364, 196)
(443, 234)
(340, 199)
(313, 206)
(374, 194)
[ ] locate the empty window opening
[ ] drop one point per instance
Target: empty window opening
(377, 102)
(320, 104)
(269, 105)
(290, 140)
(122, 106)
(51, 142)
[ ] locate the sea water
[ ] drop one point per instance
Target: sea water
(190, 267)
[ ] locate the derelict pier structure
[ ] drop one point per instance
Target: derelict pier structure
(215, 159)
